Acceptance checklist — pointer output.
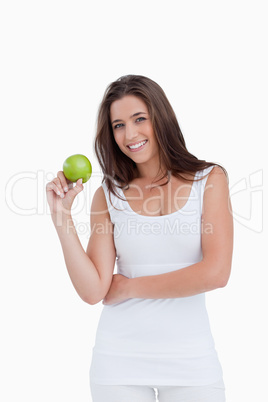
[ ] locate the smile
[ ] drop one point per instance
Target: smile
(137, 146)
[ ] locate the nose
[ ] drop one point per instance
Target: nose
(130, 132)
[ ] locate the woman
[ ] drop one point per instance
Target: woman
(164, 217)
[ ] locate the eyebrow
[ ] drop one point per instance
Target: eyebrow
(135, 114)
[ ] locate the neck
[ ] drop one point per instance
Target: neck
(150, 173)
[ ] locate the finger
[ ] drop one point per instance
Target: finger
(58, 187)
(51, 186)
(104, 301)
(63, 181)
(74, 191)
(78, 186)
(58, 191)
(79, 183)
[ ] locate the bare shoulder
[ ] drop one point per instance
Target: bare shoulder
(217, 177)
(217, 171)
(216, 193)
(99, 203)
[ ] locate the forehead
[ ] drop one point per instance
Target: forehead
(127, 106)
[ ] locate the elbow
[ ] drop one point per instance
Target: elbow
(90, 299)
(93, 299)
(224, 275)
(219, 277)
(222, 281)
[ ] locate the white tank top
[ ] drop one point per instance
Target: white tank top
(156, 341)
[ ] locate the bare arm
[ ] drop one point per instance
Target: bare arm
(90, 274)
(211, 272)
(101, 248)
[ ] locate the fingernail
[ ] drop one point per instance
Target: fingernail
(65, 189)
(62, 195)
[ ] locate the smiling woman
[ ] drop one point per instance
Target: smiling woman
(135, 134)
(121, 127)
(163, 217)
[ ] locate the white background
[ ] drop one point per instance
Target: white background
(57, 57)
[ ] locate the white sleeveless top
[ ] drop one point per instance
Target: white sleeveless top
(156, 341)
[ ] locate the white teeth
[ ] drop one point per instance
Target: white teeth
(137, 145)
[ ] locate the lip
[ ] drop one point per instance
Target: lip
(136, 149)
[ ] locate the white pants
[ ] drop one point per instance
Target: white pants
(149, 393)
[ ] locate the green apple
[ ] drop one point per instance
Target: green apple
(77, 167)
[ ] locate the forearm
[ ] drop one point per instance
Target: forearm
(83, 274)
(194, 279)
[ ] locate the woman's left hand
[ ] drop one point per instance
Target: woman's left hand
(118, 291)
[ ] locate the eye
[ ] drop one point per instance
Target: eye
(118, 126)
(140, 119)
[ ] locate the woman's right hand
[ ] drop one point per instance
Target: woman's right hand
(61, 194)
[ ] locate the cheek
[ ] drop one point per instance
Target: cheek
(153, 138)
(119, 141)
(116, 138)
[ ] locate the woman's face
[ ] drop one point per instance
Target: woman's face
(133, 130)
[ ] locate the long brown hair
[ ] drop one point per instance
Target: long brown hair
(174, 156)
